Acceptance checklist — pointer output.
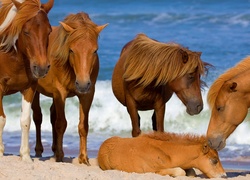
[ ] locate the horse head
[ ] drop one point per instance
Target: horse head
(209, 162)
(32, 41)
(229, 110)
(188, 86)
(82, 45)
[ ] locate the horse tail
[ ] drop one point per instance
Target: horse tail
(104, 157)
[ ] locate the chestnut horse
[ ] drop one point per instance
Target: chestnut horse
(161, 153)
(24, 33)
(229, 100)
(149, 72)
(74, 69)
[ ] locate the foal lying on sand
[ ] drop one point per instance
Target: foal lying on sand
(161, 153)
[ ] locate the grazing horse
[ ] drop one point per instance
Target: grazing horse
(24, 34)
(74, 69)
(229, 100)
(161, 153)
(149, 72)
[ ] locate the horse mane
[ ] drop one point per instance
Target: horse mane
(9, 34)
(185, 138)
(230, 73)
(83, 28)
(149, 61)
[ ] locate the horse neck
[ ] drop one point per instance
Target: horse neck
(175, 151)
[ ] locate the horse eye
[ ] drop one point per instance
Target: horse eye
(214, 161)
(71, 51)
(95, 51)
(219, 108)
(26, 33)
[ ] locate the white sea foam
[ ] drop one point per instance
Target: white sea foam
(108, 116)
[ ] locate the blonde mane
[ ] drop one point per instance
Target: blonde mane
(83, 27)
(230, 73)
(177, 138)
(149, 61)
(10, 33)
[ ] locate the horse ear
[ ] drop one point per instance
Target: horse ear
(100, 28)
(66, 27)
(205, 148)
(184, 56)
(17, 3)
(232, 87)
(47, 7)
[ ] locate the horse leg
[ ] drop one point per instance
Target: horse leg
(135, 118)
(37, 118)
(60, 126)
(52, 121)
(2, 124)
(172, 172)
(27, 98)
(83, 126)
(158, 119)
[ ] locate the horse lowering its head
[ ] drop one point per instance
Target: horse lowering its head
(229, 100)
(161, 153)
(25, 29)
(76, 45)
(149, 72)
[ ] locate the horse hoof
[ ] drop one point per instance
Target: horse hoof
(82, 160)
(26, 158)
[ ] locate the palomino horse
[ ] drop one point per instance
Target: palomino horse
(161, 153)
(74, 69)
(229, 100)
(149, 72)
(24, 34)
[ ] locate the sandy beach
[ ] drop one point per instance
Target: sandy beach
(11, 167)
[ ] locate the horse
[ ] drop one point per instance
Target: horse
(74, 69)
(229, 100)
(147, 74)
(24, 32)
(161, 153)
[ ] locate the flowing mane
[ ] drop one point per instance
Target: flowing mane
(230, 73)
(150, 61)
(177, 138)
(10, 31)
(83, 28)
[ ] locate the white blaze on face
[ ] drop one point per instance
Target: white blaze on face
(2, 124)
(25, 126)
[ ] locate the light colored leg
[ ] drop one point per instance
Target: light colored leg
(2, 124)
(172, 172)
(25, 126)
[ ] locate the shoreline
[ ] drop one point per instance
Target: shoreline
(11, 167)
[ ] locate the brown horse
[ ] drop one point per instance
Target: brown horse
(149, 72)
(74, 69)
(229, 100)
(161, 153)
(24, 32)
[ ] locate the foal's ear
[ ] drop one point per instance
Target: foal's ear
(66, 27)
(16, 3)
(232, 87)
(205, 148)
(184, 56)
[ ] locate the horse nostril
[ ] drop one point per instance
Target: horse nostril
(199, 108)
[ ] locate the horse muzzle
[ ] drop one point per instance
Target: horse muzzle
(217, 142)
(40, 72)
(83, 87)
(194, 108)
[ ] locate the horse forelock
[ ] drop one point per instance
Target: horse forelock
(229, 74)
(85, 30)
(185, 138)
(12, 26)
(150, 61)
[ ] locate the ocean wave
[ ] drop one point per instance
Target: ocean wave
(108, 116)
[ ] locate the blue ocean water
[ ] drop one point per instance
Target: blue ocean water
(218, 29)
